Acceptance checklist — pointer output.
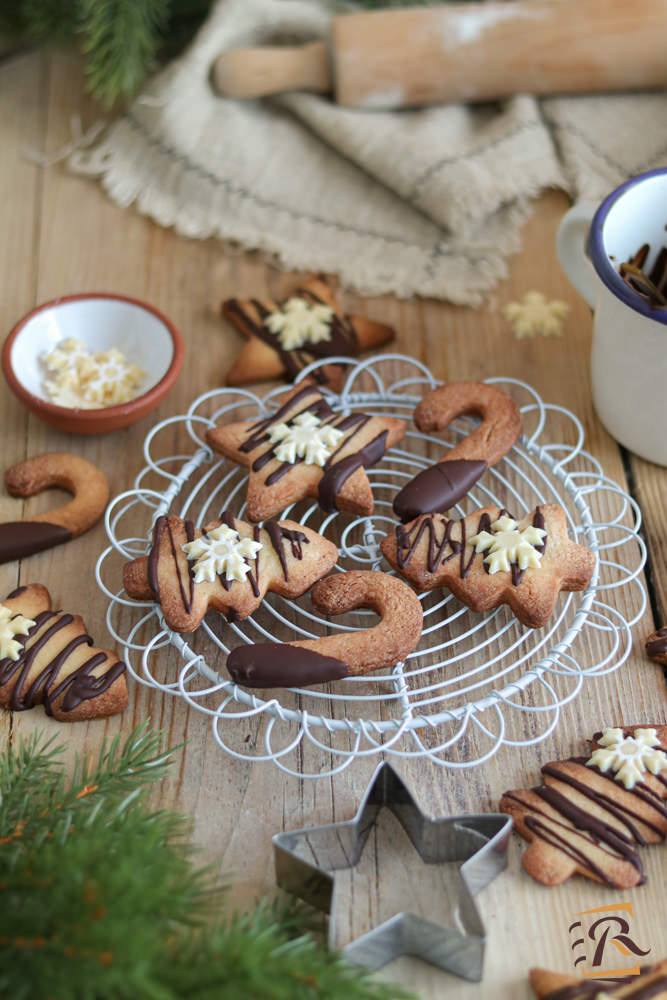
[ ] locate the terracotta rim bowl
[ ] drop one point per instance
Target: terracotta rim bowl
(102, 320)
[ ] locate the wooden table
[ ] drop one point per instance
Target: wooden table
(60, 234)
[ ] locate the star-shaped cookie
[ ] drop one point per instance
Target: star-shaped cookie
(284, 337)
(307, 450)
(585, 820)
(488, 559)
(229, 566)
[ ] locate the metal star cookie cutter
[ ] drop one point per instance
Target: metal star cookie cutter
(305, 858)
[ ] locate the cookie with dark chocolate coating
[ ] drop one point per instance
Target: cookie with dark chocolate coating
(440, 486)
(656, 646)
(60, 470)
(332, 657)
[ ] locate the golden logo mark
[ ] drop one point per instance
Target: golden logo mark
(599, 936)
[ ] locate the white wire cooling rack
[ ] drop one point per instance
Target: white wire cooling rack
(475, 682)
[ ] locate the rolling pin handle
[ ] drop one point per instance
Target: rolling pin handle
(272, 70)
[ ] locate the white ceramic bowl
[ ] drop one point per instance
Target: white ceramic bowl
(101, 321)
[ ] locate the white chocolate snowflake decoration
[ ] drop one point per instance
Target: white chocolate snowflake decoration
(533, 314)
(506, 543)
(221, 552)
(304, 437)
(10, 626)
(629, 757)
(300, 322)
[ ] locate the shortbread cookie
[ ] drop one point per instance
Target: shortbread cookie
(285, 337)
(488, 559)
(42, 531)
(331, 657)
(47, 658)
(656, 646)
(442, 485)
(228, 566)
(592, 813)
(651, 982)
(307, 450)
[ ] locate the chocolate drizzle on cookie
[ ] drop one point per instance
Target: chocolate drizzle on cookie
(78, 686)
(343, 339)
(282, 540)
(577, 825)
(441, 550)
(336, 470)
(279, 536)
(187, 593)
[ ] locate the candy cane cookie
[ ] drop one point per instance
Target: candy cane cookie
(82, 479)
(332, 657)
(440, 486)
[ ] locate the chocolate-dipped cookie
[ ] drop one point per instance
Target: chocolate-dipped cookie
(331, 657)
(43, 531)
(440, 486)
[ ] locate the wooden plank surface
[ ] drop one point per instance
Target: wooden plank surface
(62, 235)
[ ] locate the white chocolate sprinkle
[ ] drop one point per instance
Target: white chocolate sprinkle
(85, 381)
(533, 314)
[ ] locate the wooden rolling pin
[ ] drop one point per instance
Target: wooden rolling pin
(464, 52)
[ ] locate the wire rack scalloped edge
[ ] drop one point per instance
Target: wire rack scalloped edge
(402, 733)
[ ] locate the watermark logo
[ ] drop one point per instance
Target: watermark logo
(602, 944)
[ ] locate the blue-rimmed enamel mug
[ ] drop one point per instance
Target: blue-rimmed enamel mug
(629, 356)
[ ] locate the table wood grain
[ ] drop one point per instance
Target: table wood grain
(60, 234)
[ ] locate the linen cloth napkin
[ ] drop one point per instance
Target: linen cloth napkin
(426, 202)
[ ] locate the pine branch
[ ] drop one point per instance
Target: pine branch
(121, 38)
(33, 786)
(100, 898)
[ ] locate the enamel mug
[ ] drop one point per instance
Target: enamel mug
(629, 356)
